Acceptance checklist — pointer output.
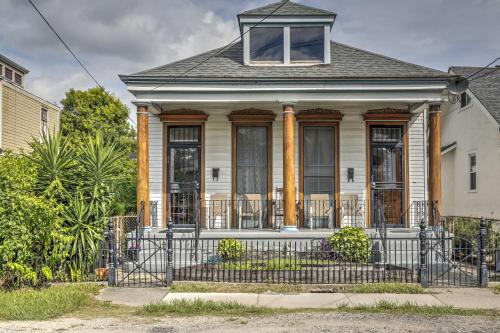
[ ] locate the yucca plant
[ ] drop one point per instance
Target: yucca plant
(54, 159)
(85, 232)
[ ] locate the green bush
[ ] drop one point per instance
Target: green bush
(351, 244)
(230, 249)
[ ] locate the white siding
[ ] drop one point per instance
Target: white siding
(416, 164)
(352, 154)
(155, 162)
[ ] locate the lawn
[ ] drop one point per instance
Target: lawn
(368, 288)
(46, 303)
(274, 264)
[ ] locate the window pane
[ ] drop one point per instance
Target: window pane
(472, 163)
(319, 163)
(473, 181)
(8, 73)
(266, 44)
(251, 160)
(307, 44)
(18, 79)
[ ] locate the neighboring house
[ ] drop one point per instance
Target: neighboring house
(288, 129)
(23, 115)
(471, 147)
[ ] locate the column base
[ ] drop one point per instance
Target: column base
(289, 228)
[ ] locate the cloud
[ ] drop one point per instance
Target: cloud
(124, 36)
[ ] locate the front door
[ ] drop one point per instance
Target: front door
(184, 177)
(387, 175)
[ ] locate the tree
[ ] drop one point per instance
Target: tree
(84, 114)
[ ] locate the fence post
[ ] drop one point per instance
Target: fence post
(424, 280)
(170, 237)
(112, 256)
(483, 241)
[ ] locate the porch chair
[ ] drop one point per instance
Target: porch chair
(351, 211)
(320, 207)
(219, 211)
(250, 208)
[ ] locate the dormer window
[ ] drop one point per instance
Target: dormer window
(266, 44)
(307, 44)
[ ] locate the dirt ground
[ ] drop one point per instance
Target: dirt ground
(310, 322)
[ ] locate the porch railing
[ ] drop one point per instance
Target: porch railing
(269, 214)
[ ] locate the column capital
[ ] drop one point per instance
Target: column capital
(143, 104)
(287, 103)
(435, 107)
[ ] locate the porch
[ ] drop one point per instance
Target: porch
(220, 168)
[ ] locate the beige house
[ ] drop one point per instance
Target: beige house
(23, 115)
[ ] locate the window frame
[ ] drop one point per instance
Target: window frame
(18, 75)
(470, 172)
(286, 45)
(44, 123)
(468, 101)
(11, 73)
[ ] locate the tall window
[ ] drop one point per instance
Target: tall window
(472, 172)
(251, 161)
(8, 73)
(266, 44)
(44, 121)
(307, 44)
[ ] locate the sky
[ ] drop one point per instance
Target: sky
(114, 37)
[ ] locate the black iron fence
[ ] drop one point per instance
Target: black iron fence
(431, 258)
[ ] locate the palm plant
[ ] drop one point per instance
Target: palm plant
(54, 159)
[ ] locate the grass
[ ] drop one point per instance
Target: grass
(293, 264)
(231, 309)
(412, 308)
(29, 304)
(259, 288)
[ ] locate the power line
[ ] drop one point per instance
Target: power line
(70, 51)
(482, 69)
(64, 43)
(225, 47)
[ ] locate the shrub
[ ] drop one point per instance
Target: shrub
(230, 249)
(351, 244)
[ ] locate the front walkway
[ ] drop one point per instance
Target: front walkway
(466, 298)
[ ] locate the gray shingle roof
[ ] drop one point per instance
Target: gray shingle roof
(346, 63)
(288, 9)
(485, 86)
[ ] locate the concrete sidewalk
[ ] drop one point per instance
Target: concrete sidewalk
(466, 298)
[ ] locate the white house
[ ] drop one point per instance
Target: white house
(471, 147)
(288, 129)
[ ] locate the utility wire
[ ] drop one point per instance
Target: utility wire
(225, 47)
(482, 69)
(64, 43)
(70, 51)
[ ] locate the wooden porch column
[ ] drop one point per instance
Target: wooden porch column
(289, 168)
(435, 157)
(143, 161)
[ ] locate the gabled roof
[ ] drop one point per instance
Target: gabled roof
(12, 64)
(485, 86)
(346, 63)
(288, 9)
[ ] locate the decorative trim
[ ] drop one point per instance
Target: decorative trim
(319, 115)
(251, 115)
(180, 115)
(387, 114)
(435, 108)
